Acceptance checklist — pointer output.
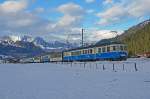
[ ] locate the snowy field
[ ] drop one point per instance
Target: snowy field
(99, 80)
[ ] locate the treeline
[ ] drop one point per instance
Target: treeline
(138, 41)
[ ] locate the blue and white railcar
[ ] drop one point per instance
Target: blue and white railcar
(111, 52)
(102, 51)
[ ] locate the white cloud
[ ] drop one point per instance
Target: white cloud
(89, 1)
(15, 20)
(18, 21)
(112, 15)
(139, 8)
(22, 22)
(123, 10)
(68, 20)
(13, 6)
(71, 9)
(108, 2)
(97, 34)
(72, 16)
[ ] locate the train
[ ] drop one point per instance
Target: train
(107, 50)
(102, 51)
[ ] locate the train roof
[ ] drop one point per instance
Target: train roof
(103, 42)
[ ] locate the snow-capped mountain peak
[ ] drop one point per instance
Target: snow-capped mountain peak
(11, 38)
(37, 41)
(15, 38)
(26, 38)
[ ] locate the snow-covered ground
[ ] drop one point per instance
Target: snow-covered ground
(76, 80)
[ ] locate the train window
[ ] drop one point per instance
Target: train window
(72, 53)
(99, 50)
(76, 53)
(83, 51)
(67, 53)
(79, 52)
(118, 47)
(108, 49)
(91, 51)
(86, 51)
(103, 49)
(121, 48)
(111, 48)
(114, 48)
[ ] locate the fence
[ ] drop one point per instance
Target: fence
(104, 66)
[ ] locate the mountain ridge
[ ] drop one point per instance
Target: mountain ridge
(137, 38)
(26, 46)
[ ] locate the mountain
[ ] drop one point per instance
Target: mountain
(134, 29)
(19, 49)
(137, 38)
(27, 46)
(39, 42)
(10, 38)
(56, 45)
(26, 38)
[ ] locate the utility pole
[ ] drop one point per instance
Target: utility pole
(82, 37)
(67, 41)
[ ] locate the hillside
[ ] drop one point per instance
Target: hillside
(137, 38)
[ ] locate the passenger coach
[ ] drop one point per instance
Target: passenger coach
(109, 50)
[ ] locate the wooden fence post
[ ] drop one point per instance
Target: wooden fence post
(84, 64)
(123, 67)
(113, 67)
(71, 64)
(103, 67)
(135, 66)
(96, 66)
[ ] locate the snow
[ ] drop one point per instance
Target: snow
(76, 80)
(15, 38)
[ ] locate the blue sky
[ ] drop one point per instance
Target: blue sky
(54, 20)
